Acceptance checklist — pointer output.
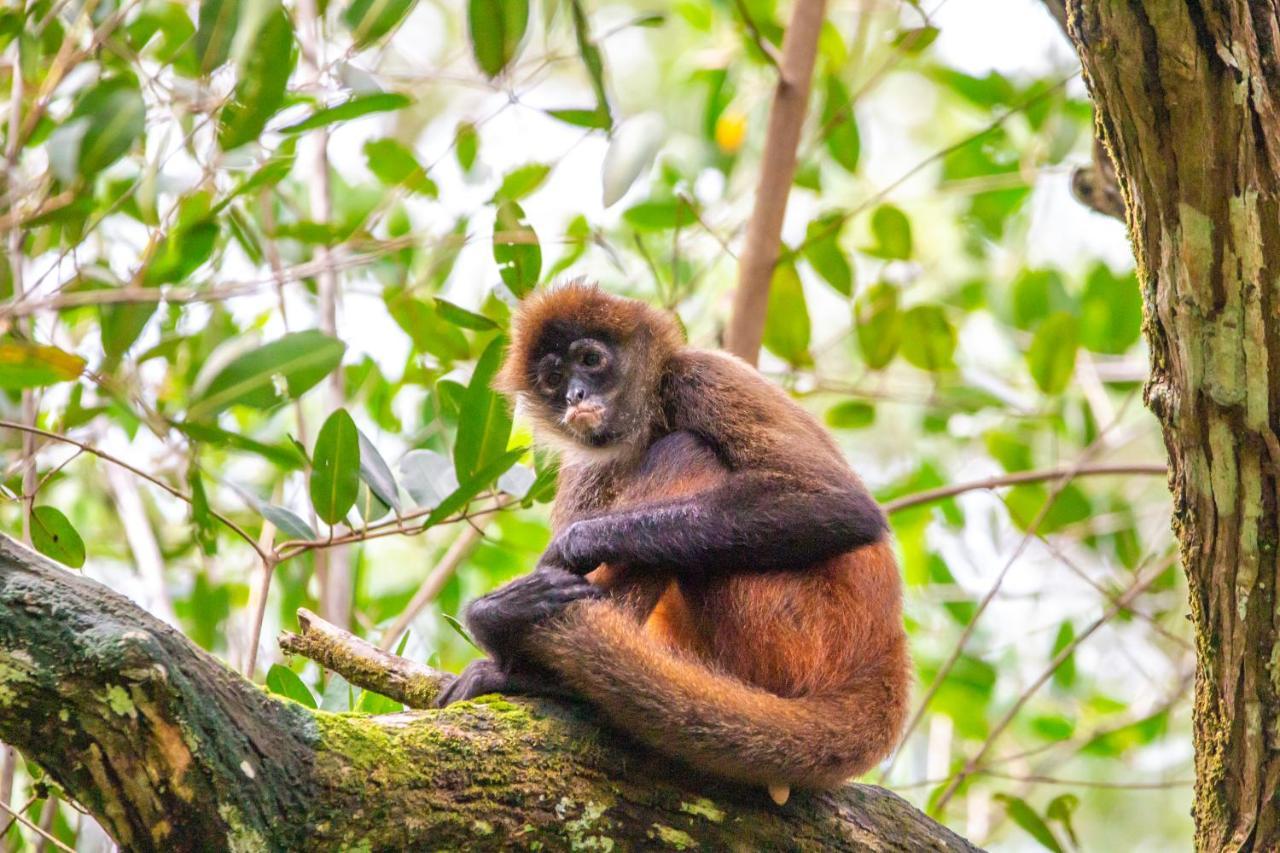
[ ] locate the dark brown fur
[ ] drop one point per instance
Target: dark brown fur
(797, 676)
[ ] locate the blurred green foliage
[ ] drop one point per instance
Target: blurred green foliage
(182, 179)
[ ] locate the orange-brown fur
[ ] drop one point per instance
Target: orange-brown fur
(795, 677)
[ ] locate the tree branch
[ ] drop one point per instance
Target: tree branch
(764, 231)
(362, 663)
(172, 750)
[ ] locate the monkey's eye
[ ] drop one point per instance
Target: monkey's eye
(591, 358)
(553, 378)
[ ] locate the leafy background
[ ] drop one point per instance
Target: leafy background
(259, 260)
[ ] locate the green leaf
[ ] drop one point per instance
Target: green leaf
(851, 414)
(183, 250)
(171, 22)
(283, 681)
(215, 31)
(106, 120)
(1035, 295)
(335, 475)
(27, 365)
(1120, 740)
(287, 522)
(395, 165)
(1025, 502)
(1065, 675)
(121, 325)
(497, 28)
(520, 182)
(592, 60)
(206, 533)
(1060, 809)
(283, 455)
(460, 316)
(301, 358)
(354, 107)
(375, 703)
(429, 331)
(892, 233)
(516, 249)
(263, 76)
(370, 20)
(822, 251)
(472, 487)
(368, 504)
(1110, 311)
(1024, 816)
(1052, 356)
(375, 472)
(840, 125)
(460, 629)
(429, 477)
(466, 145)
(915, 40)
(928, 338)
(484, 426)
(786, 324)
(578, 117)
(959, 609)
(659, 215)
(879, 324)
(53, 536)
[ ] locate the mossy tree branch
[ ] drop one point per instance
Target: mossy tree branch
(171, 750)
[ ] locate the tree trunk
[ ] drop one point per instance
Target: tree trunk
(171, 750)
(1186, 101)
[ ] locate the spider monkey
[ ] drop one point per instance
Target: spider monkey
(719, 582)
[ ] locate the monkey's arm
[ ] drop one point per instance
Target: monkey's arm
(753, 520)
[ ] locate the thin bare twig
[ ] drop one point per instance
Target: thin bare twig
(30, 824)
(768, 50)
(115, 460)
(1139, 584)
(1018, 477)
(1036, 779)
(945, 670)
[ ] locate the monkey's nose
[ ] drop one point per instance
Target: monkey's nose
(575, 395)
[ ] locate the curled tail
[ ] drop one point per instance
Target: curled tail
(715, 722)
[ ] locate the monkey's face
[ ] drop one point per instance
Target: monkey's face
(576, 386)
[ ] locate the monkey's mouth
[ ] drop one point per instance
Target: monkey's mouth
(584, 417)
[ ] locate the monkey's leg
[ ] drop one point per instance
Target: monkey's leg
(502, 619)
(499, 622)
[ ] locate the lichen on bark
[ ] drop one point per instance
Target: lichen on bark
(1186, 100)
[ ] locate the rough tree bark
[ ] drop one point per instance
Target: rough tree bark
(1185, 93)
(171, 750)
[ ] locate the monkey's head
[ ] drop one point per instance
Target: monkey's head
(585, 366)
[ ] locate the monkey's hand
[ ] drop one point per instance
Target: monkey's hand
(482, 677)
(501, 620)
(573, 550)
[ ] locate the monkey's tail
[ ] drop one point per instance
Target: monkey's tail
(717, 723)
